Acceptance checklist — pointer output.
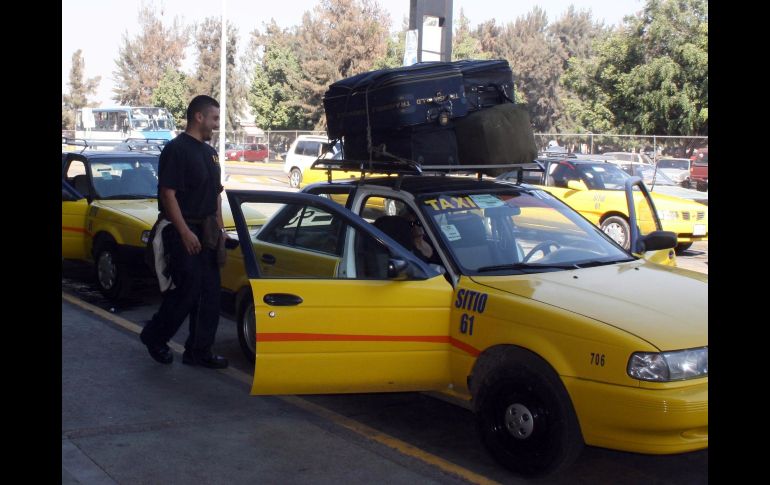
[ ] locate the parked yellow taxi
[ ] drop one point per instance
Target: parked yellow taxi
(595, 189)
(551, 333)
(109, 204)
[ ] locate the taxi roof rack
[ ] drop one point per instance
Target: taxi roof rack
(408, 167)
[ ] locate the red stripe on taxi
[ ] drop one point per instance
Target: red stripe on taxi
(328, 337)
(74, 229)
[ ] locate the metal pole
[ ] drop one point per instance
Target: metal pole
(223, 93)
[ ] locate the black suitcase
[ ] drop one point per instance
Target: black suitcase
(425, 145)
(391, 99)
(487, 83)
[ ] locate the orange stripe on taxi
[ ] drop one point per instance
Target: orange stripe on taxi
(74, 229)
(328, 337)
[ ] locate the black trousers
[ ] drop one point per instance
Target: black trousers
(196, 294)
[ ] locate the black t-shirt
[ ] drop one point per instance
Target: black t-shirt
(191, 168)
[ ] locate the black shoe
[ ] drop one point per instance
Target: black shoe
(161, 353)
(212, 361)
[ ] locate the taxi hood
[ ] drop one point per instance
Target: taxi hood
(145, 210)
(667, 307)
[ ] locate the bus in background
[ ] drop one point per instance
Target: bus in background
(119, 123)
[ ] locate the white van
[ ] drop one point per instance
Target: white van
(302, 153)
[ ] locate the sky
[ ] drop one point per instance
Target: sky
(97, 27)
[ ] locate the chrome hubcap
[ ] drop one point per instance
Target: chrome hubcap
(519, 421)
(616, 232)
(106, 270)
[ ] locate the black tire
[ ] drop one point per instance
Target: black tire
(247, 329)
(618, 229)
(295, 178)
(111, 276)
(682, 247)
(702, 186)
(525, 417)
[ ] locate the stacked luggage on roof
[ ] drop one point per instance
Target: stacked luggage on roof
(433, 113)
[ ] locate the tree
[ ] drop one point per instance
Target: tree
(206, 79)
(79, 90)
(143, 61)
(273, 94)
(464, 44)
(339, 39)
(173, 93)
(536, 59)
(577, 32)
(649, 76)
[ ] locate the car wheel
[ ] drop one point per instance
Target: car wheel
(682, 247)
(526, 420)
(618, 229)
(247, 329)
(702, 186)
(295, 177)
(111, 276)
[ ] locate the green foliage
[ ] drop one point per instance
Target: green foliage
(464, 44)
(173, 93)
(79, 90)
(394, 52)
(650, 76)
(143, 61)
(273, 95)
(536, 58)
(206, 79)
(338, 39)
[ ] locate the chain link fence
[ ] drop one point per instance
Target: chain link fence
(654, 146)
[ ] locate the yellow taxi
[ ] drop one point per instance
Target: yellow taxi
(554, 335)
(109, 204)
(595, 188)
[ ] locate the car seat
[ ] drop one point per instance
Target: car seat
(139, 181)
(398, 228)
(472, 248)
(80, 182)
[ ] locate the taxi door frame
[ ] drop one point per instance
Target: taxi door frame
(390, 350)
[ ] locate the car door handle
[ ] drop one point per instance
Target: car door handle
(268, 259)
(281, 299)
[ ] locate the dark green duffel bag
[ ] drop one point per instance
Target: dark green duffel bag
(497, 135)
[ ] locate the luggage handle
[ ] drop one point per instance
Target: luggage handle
(492, 87)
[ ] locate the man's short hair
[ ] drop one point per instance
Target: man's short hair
(198, 105)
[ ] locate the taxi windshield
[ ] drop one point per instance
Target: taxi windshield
(516, 232)
(125, 178)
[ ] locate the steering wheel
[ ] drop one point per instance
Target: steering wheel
(544, 247)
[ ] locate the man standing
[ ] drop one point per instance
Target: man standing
(189, 198)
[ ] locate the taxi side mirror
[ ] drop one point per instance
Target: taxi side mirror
(658, 240)
(576, 185)
(398, 269)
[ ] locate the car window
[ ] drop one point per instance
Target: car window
(489, 233)
(306, 241)
(312, 148)
(300, 148)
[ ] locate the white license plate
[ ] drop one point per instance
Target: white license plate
(699, 230)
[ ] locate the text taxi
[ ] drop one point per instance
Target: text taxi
(554, 335)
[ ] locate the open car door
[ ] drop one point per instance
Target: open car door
(74, 208)
(339, 306)
(648, 240)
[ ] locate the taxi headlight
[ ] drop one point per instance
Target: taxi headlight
(669, 366)
(145, 236)
(668, 215)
